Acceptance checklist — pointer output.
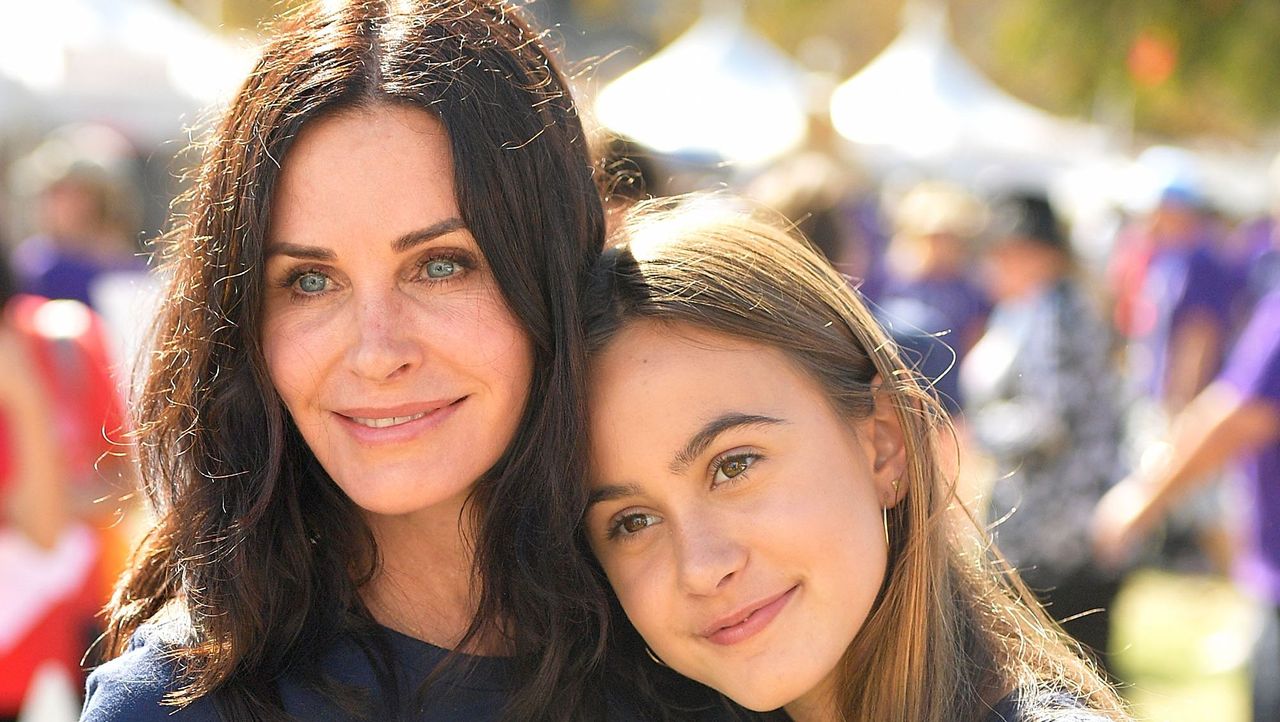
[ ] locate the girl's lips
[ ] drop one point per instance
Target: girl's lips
(746, 624)
(393, 426)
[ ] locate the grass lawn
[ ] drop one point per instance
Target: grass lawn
(1181, 643)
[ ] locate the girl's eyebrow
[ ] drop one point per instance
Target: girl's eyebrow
(699, 442)
(399, 245)
(611, 492)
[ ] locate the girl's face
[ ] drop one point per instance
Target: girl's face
(384, 330)
(737, 515)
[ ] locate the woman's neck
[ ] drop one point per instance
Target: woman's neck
(425, 585)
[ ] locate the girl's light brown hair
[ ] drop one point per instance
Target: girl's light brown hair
(952, 631)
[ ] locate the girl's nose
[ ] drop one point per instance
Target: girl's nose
(708, 558)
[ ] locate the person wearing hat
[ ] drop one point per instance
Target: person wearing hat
(930, 300)
(86, 208)
(1040, 400)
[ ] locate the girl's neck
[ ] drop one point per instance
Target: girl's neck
(818, 704)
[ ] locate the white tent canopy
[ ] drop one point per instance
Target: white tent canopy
(921, 101)
(718, 90)
(17, 105)
(142, 66)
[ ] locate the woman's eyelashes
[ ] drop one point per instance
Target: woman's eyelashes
(436, 269)
(446, 265)
(306, 282)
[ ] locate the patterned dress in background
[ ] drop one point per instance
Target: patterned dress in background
(1041, 399)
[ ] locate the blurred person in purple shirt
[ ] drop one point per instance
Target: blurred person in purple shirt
(1258, 242)
(928, 264)
(1237, 417)
(1188, 291)
(86, 210)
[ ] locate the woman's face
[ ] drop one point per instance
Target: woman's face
(384, 330)
(737, 515)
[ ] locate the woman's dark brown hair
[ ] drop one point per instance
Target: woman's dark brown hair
(254, 545)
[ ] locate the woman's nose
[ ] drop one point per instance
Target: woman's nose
(384, 346)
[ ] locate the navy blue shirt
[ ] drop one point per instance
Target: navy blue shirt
(132, 686)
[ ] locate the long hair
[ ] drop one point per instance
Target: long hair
(951, 631)
(254, 544)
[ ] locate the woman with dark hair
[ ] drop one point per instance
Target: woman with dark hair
(359, 423)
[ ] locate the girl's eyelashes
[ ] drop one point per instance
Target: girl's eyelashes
(732, 465)
(728, 467)
(628, 524)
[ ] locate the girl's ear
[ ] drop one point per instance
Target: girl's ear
(887, 447)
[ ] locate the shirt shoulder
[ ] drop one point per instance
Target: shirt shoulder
(133, 687)
(1043, 706)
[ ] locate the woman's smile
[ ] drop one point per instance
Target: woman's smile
(398, 424)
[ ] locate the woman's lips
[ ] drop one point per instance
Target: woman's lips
(389, 421)
(395, 424)
(746, 623)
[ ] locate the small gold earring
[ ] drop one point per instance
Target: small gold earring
(884, 514)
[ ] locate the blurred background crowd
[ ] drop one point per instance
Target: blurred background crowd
(1064, 211)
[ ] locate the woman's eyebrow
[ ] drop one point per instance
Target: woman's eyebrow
(699, 442)
(422, 235)
(399, 245)
(297, 250)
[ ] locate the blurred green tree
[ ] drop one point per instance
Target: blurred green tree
(1175, 67)
(1168, 67)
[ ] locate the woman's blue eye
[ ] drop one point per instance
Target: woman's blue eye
(312, 282)
(441, 268)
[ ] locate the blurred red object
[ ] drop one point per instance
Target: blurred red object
(1152, 58)
(67, 341)
(50, 595)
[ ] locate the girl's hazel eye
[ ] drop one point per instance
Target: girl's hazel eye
(441, 268)
(733, 466)
(633, 523)
(312, 283)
